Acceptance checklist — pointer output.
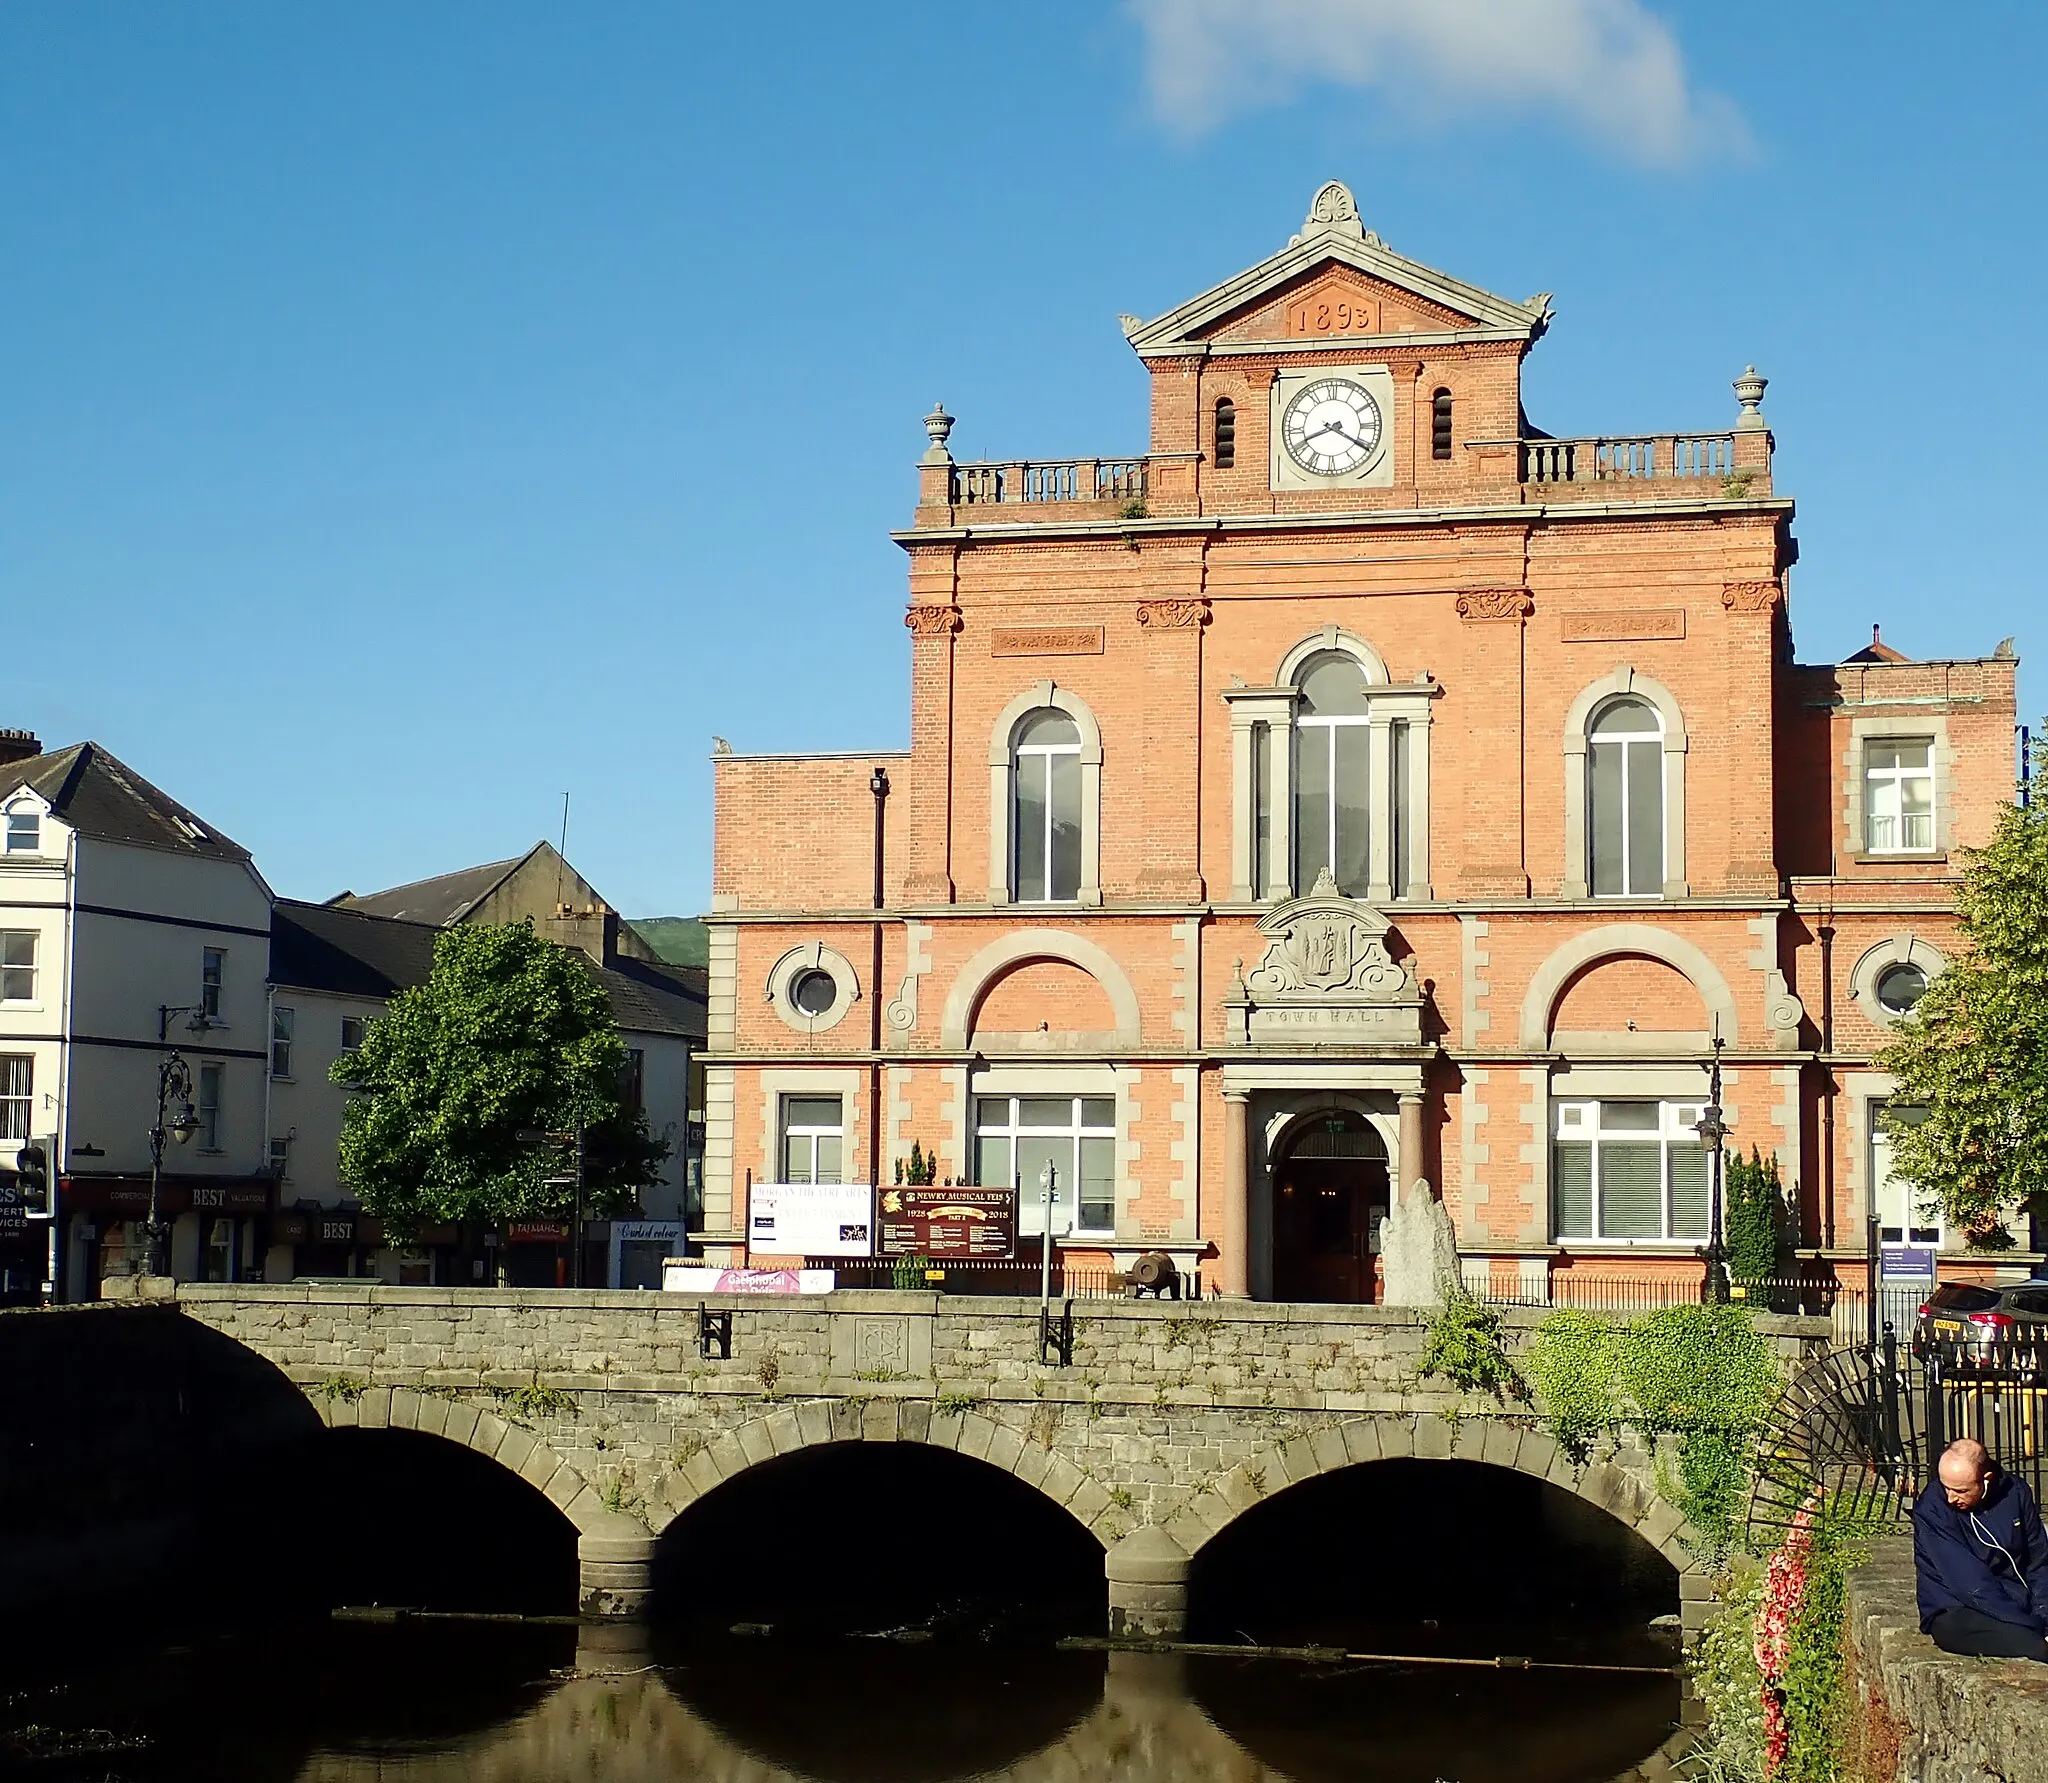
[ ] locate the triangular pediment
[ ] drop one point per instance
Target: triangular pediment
(1336, 267)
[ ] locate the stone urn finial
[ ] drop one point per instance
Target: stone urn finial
(939, 425)
(1749, 391)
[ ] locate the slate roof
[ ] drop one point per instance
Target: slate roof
(100, 796)
(441, 901)
(351, 953)
(324, 947)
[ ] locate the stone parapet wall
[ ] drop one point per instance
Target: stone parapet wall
(1919, 1715)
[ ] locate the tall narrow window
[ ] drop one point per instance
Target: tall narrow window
(1906, 1213)
(211, 1077)
(633, 1079)
(1440, 425)
(283, 1022)
(1262, 809)
(1625, 799)
(213, 966)
(1332, 770)
(1898, 777)
(1226, 433)
(1047, 820)
(1399, 807)
(17, 1094)
(813, 1128)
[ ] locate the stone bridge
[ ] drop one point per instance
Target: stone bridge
(1173, 1420)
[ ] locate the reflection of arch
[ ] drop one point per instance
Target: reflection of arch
(1577, 723)
(821, 1422)
(513, 1447)
(1001, 790)
(1619, 938)
(1036, 944)
(1623, 1495)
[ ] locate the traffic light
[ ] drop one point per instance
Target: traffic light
(32, 1180)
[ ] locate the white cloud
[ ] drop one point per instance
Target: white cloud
(1609, 67)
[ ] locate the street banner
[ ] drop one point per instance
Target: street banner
(811, 1219)
(948, 1222)
(679, 1276)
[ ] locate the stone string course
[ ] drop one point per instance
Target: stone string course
(1174, 1417)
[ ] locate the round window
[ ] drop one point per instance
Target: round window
(813, 993)
(1900, 987)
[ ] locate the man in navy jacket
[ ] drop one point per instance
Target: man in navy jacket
(1980, 1557)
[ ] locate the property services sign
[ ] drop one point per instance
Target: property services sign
(811, 1219)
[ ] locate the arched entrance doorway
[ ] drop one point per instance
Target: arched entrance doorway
(1329, 1199)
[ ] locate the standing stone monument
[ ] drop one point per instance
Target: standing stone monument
(1418, 1249)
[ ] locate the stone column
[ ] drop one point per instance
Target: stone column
(1408, 1166)
(1232, 1230)
(614, 1568)
(1148, 1585)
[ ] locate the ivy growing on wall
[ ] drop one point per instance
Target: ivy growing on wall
(1466, 1347)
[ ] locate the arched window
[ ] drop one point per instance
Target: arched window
(1440, 425)
(1625, 801)
(1332, 772)
(1046, 817)
(1226, 433)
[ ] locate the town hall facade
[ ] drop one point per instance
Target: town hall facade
(1361, 796)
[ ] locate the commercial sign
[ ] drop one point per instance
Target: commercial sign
(13, 1216)
(680, 1277)
(935, 1222)
(536, 1231)
(811, 1219)
(648, 1231)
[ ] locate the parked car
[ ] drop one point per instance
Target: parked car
(2001, 1326)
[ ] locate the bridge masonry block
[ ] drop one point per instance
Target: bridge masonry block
(614, 1567)
(1148, 1585)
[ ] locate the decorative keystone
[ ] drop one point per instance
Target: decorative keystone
(1749, 391)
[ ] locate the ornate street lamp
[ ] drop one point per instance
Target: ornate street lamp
(1713, 1131)
(175, 1120)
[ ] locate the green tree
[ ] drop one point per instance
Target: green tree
(1972, 1057)
(510, 1031)
(1755, 1216)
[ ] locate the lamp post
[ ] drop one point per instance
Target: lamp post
(1713, 1132)
(173, 1085)
(1048, 1183)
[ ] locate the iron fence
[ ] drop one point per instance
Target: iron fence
(1845, 1304)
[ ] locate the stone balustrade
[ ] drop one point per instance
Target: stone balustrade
(1019, 481)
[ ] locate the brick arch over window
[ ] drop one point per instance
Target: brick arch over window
(1012, 950)
(1002, 741)
(1332, 637)
(1625, 682)
(1621, 938)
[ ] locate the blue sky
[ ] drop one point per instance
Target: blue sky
(408, 414)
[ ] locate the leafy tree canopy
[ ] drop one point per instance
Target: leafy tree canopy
(1973, 1054)
(509, 1032)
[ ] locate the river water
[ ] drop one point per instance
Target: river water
(432, 1701)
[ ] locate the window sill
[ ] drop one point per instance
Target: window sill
(1929, 857)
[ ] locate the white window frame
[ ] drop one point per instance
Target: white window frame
(1879, 782)
(1633, 745)
(211, 1092)
(1578, 803)
(1020, 754)
(281, 1158)
(213, 977)
(1675, 1131)
(11, 969)
(283, 1019)
(1002, 790)
(1377, 764)
(17, 1095)
(1066, 1212)
(23, 829)
(1884, 1187)
(362, 1025)
(809, 1132)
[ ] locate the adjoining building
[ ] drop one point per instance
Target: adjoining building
(1359, 795)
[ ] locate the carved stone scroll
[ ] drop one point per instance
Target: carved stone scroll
(932, 622)
(1749, 597)
(1173, 615)
(1496, 603)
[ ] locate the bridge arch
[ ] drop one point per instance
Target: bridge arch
(511, 1445)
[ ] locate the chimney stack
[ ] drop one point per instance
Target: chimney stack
(19, 746)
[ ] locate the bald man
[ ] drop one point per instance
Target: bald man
(1980, 1557)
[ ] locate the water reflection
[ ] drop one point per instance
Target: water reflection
(460, 1703)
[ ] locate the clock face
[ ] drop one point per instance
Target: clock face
(1331, 427)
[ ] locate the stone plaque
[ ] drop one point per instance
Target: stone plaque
(1622, 627)
(882, 1346)
(1045, 640)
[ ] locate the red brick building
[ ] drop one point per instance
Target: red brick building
(1361, 795)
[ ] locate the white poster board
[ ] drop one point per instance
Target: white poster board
(811, 1219)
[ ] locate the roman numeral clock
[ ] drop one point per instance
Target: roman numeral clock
(1331, 428)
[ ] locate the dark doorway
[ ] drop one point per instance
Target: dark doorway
(1329, 1199)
